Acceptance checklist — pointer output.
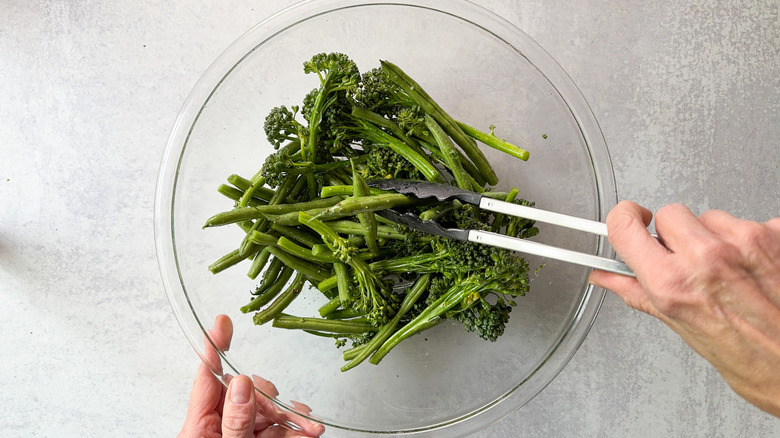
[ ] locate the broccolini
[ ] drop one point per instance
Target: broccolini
(309, 217)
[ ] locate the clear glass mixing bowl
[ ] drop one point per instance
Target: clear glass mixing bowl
(482, 70)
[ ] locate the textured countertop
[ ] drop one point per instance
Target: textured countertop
(687, 94)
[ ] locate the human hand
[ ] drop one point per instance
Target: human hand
(237, 411)
(716, 283)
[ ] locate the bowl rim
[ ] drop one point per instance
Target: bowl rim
(586, 310)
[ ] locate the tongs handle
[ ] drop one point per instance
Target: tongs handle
(547, 217)
(540, 249)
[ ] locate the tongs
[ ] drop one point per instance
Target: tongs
(443, 192)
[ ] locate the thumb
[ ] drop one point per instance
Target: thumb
(238, 415)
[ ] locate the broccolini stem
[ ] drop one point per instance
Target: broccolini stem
(449, 153)
(414, 263)
(343, 283)
(428, 317)
(495, 142)
(269, 293)
(281, 302)
(420, 162)
(322, 248)
(339, 326)
(257, 181)
(384, 122)
(430, 106)
(311, 185)
(478, 180)
(243, 184)
(303, 253)
(327, 233)
(328, 283)
(235, 194)
(296, 193)
(499, 218)
(345, 313)
(330, 307)
(367, 219)
(420, 286)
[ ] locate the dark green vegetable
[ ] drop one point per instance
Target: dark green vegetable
(308, 216)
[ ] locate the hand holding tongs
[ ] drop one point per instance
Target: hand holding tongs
(444, 192)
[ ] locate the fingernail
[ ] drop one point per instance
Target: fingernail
(240, 390)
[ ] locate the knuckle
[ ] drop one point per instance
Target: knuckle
(774, 225)
(710, 215)
(667, 301)
(669, 211)
(709, 252)
(619, 222)
(752, 234)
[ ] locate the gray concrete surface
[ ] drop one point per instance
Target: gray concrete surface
(687, 94)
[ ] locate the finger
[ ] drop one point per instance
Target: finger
(239, 412)
(222, 332)
(265, 386)
(301, 407)
(718, 222)
(679, 228)
(276, 414)
(217, 340)
(279, 432)
(627, 288)
(628, 234)
(773, 224)
(206, 396)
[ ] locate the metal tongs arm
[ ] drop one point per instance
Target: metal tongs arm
(443, 192)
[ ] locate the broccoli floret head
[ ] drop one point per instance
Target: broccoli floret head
(280, 126)
(335, 133)
(275, 167)
(335, 70)
(521, 227)
(383, 162)
(375, 93)
(412, 120)
(487, 320)
(378, 94)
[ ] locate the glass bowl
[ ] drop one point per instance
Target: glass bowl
(483, 71)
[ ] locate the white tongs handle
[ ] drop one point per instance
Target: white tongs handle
(540, 249)
(547, 217)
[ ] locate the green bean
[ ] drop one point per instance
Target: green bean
(270, 293)
(281, 302)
